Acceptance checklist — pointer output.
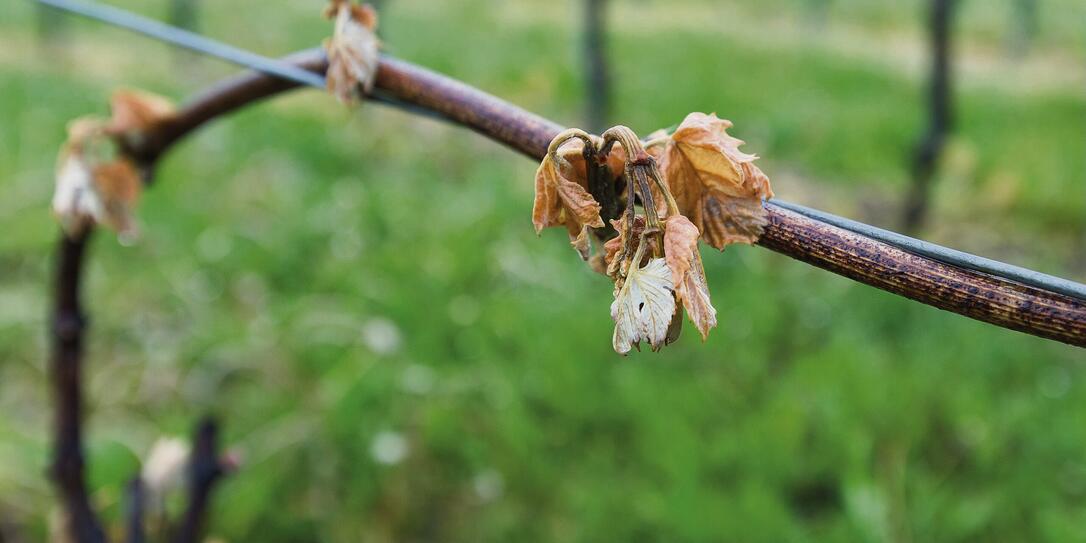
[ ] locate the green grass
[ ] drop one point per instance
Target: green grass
(277, 243)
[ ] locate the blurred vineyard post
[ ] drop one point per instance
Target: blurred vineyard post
(940, 117)
(597, 78)
(51, 28)
(818, 11)
(1025, 24)
(185, 14)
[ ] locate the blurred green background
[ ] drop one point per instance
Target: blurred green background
(396, 356)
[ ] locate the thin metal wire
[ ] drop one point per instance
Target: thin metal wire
(211, 47)
(187, 40)
(943, 254)
(241, 57)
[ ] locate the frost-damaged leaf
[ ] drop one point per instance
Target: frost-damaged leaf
(578, 204)
(93, 184)
(547, 209)
(711, 178)
(680, 243)
(118, 183)
(134, 111)
(561, 201)
(694, 293)
(733, 220)
(687, 272)
(352, 50)
(643, 307)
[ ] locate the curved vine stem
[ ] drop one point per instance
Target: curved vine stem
(65, 367)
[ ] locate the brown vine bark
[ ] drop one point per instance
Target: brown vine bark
(205, 469)
(934, 283)
(65, 367)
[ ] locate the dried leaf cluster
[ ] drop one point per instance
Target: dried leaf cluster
(95, 182)
(352, 49)
(651, 203)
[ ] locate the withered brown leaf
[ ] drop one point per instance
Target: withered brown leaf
(714, 183)
(119, 186)
(352, 50)
(688, 273)
(134, 111)
(733, 220)
(680, 243)
(93, 184)
(694, 293)
(558, 199)
(562, 201)
(578, 204)
(547, 208)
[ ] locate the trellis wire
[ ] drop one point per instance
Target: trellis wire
(944, 254)
(241, 57)
(186, 39)
(208, 46)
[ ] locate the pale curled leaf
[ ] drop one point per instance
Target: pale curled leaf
(164, 468)
(353, 50)
(644, 306)
(708, 175)
(75, 200)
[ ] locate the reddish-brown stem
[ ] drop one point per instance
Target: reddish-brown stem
(204, 471)
(973, 294)
(65, 367)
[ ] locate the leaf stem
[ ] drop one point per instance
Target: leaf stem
(566, 135)
(672, 205)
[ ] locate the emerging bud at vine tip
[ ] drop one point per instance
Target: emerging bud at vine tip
(353, 50)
